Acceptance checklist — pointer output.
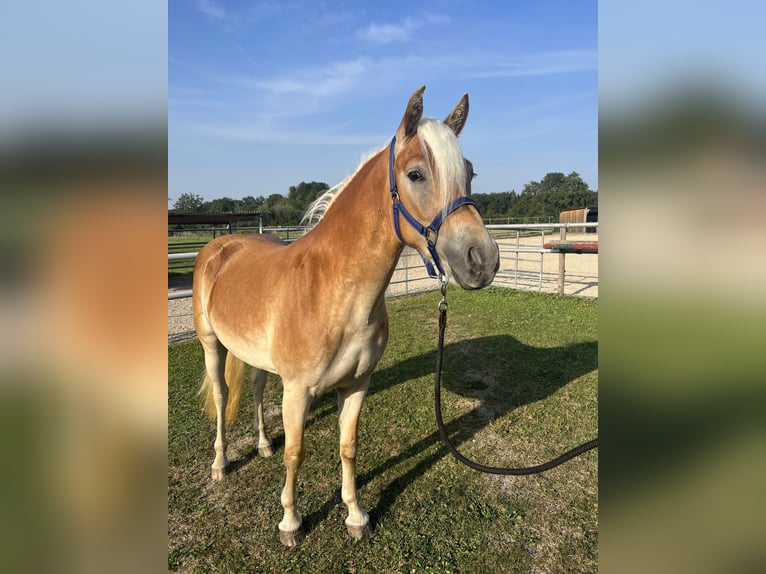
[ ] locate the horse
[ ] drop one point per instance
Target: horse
(313, 311)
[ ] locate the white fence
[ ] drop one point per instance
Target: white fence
(525, 262)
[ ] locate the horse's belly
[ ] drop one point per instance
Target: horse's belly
(355, 360)
(253, 348)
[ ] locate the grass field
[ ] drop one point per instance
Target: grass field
(520, 386)
(194, 241)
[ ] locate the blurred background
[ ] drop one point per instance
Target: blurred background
(83, 357)
(682, 169)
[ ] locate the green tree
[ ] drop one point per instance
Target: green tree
(276, 210)
(250, 203)
(301, 196)
(220, 205)
(554, 193)
(188, 203)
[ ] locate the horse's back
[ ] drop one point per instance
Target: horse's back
(223, 250)
(232, 258)
(256, 240)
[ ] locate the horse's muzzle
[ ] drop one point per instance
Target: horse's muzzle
(475, 266)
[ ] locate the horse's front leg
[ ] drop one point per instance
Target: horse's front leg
(295, 406)
(349, 406)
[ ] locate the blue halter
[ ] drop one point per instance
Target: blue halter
(431, 233)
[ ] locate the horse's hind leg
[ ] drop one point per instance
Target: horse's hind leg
(215, 363)
(349, 406)
(264, 444)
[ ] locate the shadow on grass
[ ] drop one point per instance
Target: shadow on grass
(499, 371)
(277, 442)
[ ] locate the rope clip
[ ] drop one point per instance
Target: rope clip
(443, 302)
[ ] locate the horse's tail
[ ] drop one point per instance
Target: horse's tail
(235, 375)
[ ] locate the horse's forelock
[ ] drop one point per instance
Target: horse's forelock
(441, 144)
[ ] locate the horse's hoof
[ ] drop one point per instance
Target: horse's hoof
(360, 532)
(266, 450)
(293, 538)
(218, 473)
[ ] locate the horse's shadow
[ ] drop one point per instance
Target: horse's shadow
(499, 371)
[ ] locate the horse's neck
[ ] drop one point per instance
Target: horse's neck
(358, 229)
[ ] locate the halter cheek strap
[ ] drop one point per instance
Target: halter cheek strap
(430, 232)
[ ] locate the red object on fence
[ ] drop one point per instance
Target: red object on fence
(573, 246)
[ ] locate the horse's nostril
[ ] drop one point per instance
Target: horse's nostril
(474, 261)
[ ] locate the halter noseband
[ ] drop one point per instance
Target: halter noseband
(431, 232)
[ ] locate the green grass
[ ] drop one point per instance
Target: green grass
(520, 385)
(190, 237)
(184, 268)
(175, 245)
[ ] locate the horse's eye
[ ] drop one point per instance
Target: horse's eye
(473, 174)
(415, 175)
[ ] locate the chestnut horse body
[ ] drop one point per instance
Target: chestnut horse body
(314, 311)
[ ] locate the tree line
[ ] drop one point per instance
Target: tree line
(554, 193)
(276, 209)
(545, 198)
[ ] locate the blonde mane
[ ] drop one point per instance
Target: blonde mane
(440, 146)
(321, 204)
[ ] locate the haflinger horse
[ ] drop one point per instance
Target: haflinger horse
(314, 311)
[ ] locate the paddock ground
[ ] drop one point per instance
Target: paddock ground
(520, 385)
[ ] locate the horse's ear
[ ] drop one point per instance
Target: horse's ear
(457, 117)
(412, 116)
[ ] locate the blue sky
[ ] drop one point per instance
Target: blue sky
(263, 95)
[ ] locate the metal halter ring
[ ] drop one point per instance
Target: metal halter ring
(443, 302)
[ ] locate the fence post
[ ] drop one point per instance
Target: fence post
(562, 260)
(406, 274)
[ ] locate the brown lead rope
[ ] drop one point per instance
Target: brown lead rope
(576, 451)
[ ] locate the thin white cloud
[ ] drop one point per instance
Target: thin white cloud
(343, 77)
(304, 92)
(330, 80)
(210, 8)
(266, 134)
(434, 18)
(264, 10)
(333, 19)
(387, 33)
(538, 64)
(553, 104)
